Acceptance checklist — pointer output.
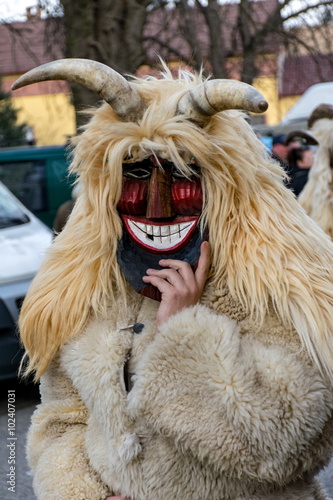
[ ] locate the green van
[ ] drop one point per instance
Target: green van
(38, 177)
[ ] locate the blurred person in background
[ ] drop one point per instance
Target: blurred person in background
(300, 160)
(301, 149)
(282, 146)
(279, 150)
(65, 210)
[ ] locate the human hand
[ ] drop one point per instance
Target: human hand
(179, 285)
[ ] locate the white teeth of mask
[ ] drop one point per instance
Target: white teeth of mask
(160, 237)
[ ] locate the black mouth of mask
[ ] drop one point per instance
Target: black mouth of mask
(134, 261)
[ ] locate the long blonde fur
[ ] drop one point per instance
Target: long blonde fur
(263, 245)
(317, 195)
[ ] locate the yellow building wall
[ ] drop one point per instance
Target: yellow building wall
(286, 103)
(52, 117)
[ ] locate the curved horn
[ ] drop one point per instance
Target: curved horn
(213, 96)
(302, 134)
(107, 83)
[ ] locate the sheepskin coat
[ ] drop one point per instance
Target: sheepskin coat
(220, 409)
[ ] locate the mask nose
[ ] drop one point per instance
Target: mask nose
(159, 204)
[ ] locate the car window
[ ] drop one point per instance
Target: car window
(11, 213)
(26, 180)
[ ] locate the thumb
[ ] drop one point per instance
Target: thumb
(204, 262)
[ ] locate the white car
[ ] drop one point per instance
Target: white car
(24, 240)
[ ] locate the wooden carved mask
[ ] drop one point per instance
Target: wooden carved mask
(160, 210)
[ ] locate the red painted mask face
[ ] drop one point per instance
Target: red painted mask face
(159, 207)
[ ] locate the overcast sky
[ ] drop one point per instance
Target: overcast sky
(15, 9)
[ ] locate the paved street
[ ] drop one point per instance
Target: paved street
(26, 397)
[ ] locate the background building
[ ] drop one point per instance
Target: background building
(282, 72)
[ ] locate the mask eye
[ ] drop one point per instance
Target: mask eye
(139, 170)
(194, 172)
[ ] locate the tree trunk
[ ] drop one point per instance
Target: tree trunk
(216, 40)
(108, 31)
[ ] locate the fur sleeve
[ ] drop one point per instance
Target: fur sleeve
(56, 447)
(95, 363)
(249, 410)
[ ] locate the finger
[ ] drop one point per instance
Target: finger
(162, 285)
(204, 262)
(183, 268)
(173, 277)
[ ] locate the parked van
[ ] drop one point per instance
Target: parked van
(38, 177)
(24, 240)
(297, 116)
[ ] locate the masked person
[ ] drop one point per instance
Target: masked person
(181, 323)
(317, 195)
(301, 160)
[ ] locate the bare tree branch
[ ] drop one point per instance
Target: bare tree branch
(239, 40)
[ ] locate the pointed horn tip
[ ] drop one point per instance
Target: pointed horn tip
(18, 83)
(262, 106)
